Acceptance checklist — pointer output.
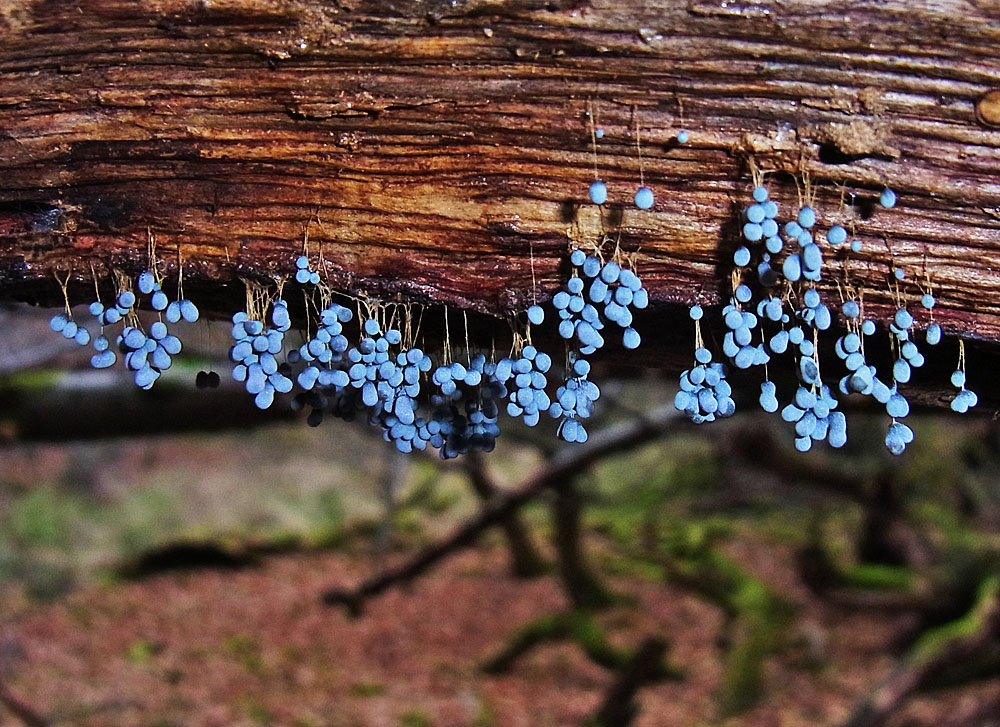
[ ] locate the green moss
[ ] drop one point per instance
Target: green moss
(485, 715)
(259, 714)
(877, 577)
(367, 689)
(936, 641)
(32, 380)
(141, 651)
(756, 615)
(415, 718)
(430, 495)
(48, 518)
(578, 626)
(245, 649)
(637, 568)
(756, 632)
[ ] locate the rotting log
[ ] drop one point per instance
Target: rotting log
(439, 151)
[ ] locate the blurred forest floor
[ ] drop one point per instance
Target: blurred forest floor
(175, 580)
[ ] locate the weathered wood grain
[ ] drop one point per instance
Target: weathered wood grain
(434, 149)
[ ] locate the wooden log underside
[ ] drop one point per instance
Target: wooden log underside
(441, 151)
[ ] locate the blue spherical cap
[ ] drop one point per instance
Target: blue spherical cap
(58, 323)
(887, 199)
(753, 231)
(812, 257)
(807, 217)
(598, 290)
(145, 283)
(755, 213)
(630, 280)
(189, 311)
(103, 359)
(791, 268)
(901, 371)
(598, 192)
(733, 319)
(644, 198)
(897, 407)
(126, 299)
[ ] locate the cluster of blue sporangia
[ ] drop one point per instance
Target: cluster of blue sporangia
(596, 292)
(466, 406)
(800, 314)
(256, 352)
(383, 380)
(705, 395)
(147, 354)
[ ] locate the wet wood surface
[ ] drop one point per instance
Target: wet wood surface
(440, 151)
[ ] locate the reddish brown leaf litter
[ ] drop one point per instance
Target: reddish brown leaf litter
(255, 647)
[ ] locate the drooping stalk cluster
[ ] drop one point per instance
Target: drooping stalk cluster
(147, 354)
(704, 394)
(526, 379)
(255, 354)
(387, 380)
(791, 314)
(466, 418)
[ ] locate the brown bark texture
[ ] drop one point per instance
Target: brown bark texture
(440, 151)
